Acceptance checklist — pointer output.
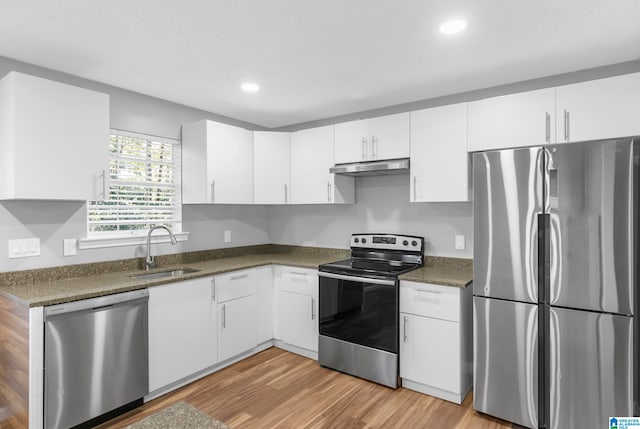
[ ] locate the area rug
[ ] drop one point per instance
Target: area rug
(180, 415)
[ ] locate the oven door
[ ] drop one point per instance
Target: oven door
(359, 310)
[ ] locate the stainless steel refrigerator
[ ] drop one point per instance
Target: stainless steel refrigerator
(555, 283)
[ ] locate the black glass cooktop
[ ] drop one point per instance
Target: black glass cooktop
(368, 268)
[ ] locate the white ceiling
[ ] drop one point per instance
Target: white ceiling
(314, 58)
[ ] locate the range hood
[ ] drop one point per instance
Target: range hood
(372, 168)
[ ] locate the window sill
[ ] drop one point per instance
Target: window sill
(127, 240)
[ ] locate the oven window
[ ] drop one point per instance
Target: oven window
(360, 313)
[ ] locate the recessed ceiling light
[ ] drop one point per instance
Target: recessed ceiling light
(250, 87)
(453, 26)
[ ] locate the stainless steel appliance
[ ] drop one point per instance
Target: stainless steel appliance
(555, 283)
(96, 357)
(358, 303)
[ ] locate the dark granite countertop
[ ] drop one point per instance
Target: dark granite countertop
(57, 285)
(443, 271)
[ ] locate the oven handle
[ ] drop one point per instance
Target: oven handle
(357, 279)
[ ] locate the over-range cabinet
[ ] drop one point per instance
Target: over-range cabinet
(556, 312)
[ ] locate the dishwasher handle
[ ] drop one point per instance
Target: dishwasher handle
(96, 303)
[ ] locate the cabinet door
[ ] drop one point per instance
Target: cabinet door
(271, 167)
(430, 352)
(54, 140)
(524, 119)
(182, 330)
(311, 158)
(196, 188)
(237, 327)
(390, 136)
(229, 164)
(353, 141)
(439, 158)
(299, 320)
(598, 109)
(264, 297)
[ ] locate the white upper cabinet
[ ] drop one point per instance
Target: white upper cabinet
(54, 140)
(271, 184)
(217, 163)
(524, 119)
(597, 109)
(439, 158)
(311, 159)
(385, 137)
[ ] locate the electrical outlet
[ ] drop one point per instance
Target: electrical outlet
(460, 242)
(69, 247)
(227, 236)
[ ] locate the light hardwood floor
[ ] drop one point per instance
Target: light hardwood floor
(277, 389)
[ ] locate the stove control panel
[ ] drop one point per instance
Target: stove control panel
(388, 242)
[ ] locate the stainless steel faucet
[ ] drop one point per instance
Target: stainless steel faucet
(150, 261)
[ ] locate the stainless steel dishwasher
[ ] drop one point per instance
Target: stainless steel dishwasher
(96, 357)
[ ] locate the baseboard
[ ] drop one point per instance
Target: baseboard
(295, 349)
(434, 391)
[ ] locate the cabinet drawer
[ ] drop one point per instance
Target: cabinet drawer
(300, 280)
(235, 285)
(424, 299)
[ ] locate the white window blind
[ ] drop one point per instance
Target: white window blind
(143, 186)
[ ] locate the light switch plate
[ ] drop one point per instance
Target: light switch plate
(70, 247)
(460, 242)
(227, 236)
(24, 247)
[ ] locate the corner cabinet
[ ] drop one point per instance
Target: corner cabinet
(439, 159)
(217, 164)
(54, 140)
(182, 330)
(436, 335)
(311, 159)
(515, 120)
(598, 109)
(384, 137)
(296, 310)
(271, 176)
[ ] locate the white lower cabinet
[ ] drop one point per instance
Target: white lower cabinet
(436, 339)
(237, 319)
(264, 299)
(297, 307)
(182, 330)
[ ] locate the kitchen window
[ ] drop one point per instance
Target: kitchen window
(142, 189)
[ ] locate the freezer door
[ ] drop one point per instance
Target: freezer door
(505, 355)
(590, 198)
(507, 198)
(590, 368)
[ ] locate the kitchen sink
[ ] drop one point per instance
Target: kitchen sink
(164, 274)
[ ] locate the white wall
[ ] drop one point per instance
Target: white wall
(382, 205)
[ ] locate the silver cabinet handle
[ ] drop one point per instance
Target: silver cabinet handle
(566, 125)
(213, 190)
(328, 192)
(374, 147)
(105, 185)
(224, 316)
(547, 127)
(428, 291)
(213, 289)
(364, 148)
(313, 315)
(241, 276)
(285, 193)
(404, 328)
(415, 185)
(298, 273)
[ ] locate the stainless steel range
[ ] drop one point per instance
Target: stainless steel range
(359, 306)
